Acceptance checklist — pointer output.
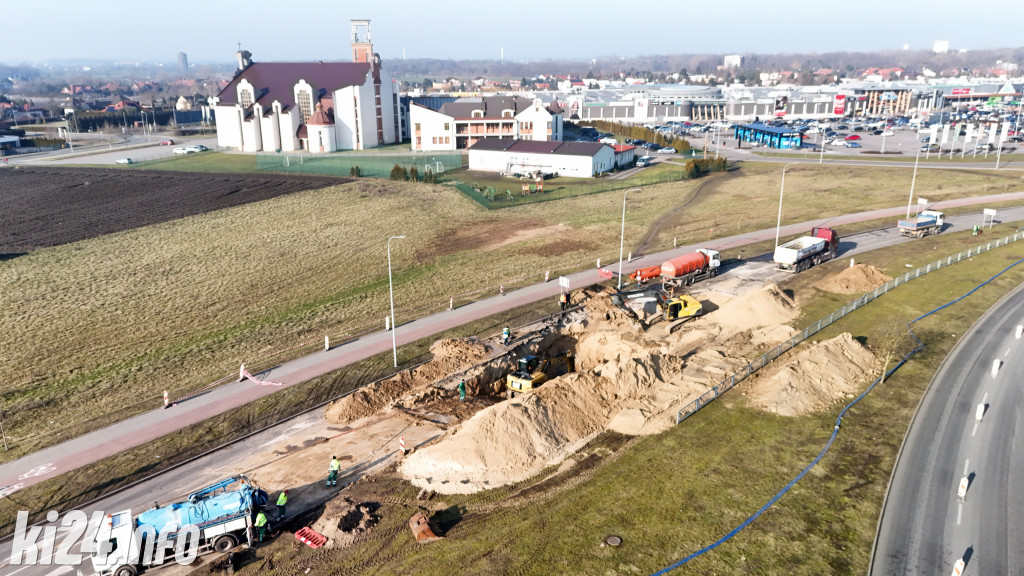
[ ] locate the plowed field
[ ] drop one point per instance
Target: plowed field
(43, 206)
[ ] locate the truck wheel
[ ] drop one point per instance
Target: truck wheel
(224, 543)
(919, 234)
(817, 260)
(511, 394)
(126, 571)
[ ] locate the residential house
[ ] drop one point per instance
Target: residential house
(460, 124)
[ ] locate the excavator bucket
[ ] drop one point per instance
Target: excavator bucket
(421, 528)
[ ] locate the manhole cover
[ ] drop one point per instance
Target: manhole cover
(613, 540)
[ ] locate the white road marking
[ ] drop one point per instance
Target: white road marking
(975, 429)
(967, 464)
(959, 512)
(1007, 352)
(985, 397)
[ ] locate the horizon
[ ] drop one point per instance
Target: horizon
(420, 32)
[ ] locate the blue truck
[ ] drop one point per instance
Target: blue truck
(215, 518)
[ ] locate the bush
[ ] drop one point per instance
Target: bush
(399, 173)
(355, 171)
(414, 174)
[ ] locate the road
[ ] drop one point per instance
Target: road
(925, 527)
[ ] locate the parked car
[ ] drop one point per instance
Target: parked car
(666, 151)
(643, 161)
(887, 133)
(853, 137)
(183, 151)
(853, 144)
(930, 147)
(124, 161)
(196, 148)
(167, 142)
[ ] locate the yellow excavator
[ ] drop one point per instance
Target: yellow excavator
(533, 371)
(674, 309)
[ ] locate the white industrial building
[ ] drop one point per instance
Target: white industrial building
(460, 124)
(512, 156)
(314, 106)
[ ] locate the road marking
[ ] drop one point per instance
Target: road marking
(967, 463)
(985, 397)
(975, 429)
(1007, 352)
(959, 512)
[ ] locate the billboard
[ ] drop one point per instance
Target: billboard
(961, 91)
(839, 107)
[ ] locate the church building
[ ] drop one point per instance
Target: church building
(311, 106)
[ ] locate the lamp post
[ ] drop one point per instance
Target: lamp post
(622, 237)
(391, 290)
(912, 180)
(781, 189)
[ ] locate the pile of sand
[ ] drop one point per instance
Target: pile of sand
(854, 280)
(451, 355)
(815, 377)
(634, 383)
(343, 521)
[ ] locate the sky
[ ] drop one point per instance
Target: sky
(209, 31)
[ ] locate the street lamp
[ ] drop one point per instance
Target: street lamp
(912, 180)
(622, 238)
(781, 189)
(391, 290)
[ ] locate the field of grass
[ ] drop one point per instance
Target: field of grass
(670, 495)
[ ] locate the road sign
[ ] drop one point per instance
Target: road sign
(563, 281)
(989, 211)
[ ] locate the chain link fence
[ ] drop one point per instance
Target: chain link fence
(366, 164)
(752, 367)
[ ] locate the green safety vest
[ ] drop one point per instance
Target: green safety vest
(335, 465)
(261, 520)
(282, 499)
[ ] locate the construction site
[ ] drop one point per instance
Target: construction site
(629, 374)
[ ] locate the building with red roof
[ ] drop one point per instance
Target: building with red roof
(288, 106)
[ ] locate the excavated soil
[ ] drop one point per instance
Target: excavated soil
(628, 380)
(815, 378)
(856, 279)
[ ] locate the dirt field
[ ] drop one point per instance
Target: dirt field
(42, 207)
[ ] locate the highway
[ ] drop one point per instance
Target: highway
(926, 527)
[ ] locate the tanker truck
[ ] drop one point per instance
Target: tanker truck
(683, 270)
(216, 518)
(806, 251)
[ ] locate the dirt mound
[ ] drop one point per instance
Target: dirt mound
(451, 356)
(343, 521)
(854, 280)
(768, 306)
(815, 378)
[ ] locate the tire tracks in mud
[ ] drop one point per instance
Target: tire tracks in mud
(656, 226)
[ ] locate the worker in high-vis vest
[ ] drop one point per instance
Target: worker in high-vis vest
(282, 500)
(261, 525)
(332, 472)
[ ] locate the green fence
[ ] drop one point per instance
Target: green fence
(369, 164)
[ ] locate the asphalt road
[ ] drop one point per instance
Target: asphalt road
(925, 527)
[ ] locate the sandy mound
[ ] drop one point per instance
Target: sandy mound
(450, 356)
(815, 377)
(768, 306)
(854, 280)
(343, 521)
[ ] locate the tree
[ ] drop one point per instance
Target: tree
(414, 174)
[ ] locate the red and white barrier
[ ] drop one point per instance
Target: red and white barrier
(167, 400)
(401, 444)
(257, 381)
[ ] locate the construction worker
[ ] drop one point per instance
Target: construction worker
(261, 526)
(282, 500)
(505, 336)
(563, 300)
(332, 472)
(462, 390)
